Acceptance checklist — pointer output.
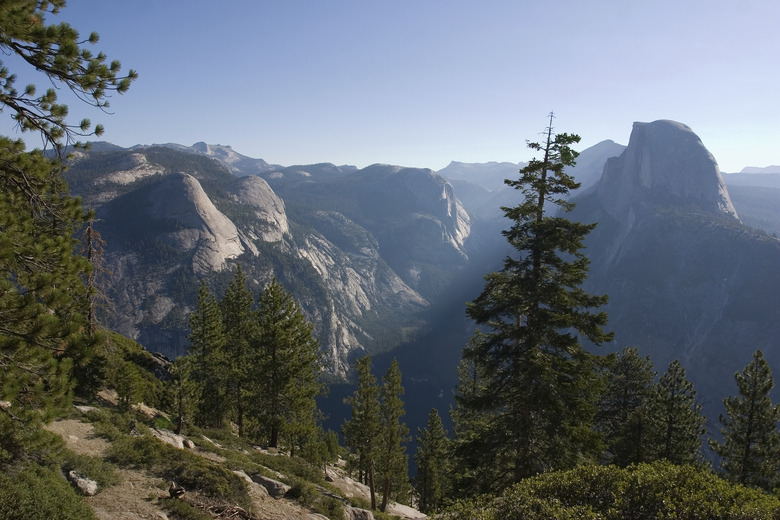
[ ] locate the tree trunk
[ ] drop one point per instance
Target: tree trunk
(370, 475)
(385, 495)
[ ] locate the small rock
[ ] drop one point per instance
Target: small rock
(189, 444)
(85, 486)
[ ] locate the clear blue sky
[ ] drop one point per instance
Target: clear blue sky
(424, 82)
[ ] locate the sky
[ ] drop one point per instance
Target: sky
(425, 82)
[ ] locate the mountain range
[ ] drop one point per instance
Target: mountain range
(383, 258)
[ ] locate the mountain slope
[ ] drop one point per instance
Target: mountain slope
(686, 279)
(362, 260)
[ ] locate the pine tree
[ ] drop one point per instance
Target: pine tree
(470, 418)
(543, 384)
(42, 312)
(240, 327)
(623, 410)
(677, 421)
(362, 433)
(751, 442)
(286, 369)
(207, 363)
(186, 394)
(392, 460)
(433, 468)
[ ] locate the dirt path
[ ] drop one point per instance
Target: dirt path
(133, 498)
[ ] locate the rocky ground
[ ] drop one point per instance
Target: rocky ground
(141, 496)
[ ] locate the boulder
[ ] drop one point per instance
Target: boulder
(275, 488)
(168, 437)
(85, 486)
(355, 513)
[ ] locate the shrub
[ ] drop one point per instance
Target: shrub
(182, 510)
(94, 468)
(185, 468)
(641, 492)
(39, 492)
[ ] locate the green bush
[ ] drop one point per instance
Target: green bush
(94, 468)
(38, 492)
(181, 510)
(187, 469)
(329, 507)
(643, 492)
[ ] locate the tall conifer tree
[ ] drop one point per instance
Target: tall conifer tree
(623, 416)
(393, 462)
(286, 368)
(542, 388)
(433, 468)
(42, 308)
(207, 363)
(751, 443)
(240, 327)
(678, 423)
(362, 433)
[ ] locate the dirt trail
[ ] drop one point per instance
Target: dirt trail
(133, 498)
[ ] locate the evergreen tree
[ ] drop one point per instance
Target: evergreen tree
(186, 394)
(470, 419)
(749, 450)
(239, 325)
(207, 363)
(392, 460)
(42, 313)
(543, 385)
(677, 422)
(362, 433)
(433, 468)
(623, 410)
(89, 363)
(286, 369)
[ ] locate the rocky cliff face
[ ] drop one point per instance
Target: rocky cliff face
(686, 279)
(664, 160)
(201, 230)
(171, 219)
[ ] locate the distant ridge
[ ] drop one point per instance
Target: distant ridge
(765, 169)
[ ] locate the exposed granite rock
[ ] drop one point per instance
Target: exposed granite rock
(180, 200)
(664, 163)
(269, 208)
(275, 488)
(85, 486)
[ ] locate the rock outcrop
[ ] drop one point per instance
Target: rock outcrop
(686, 279)
(179, 201)
(85, 486)
(255, 193)
(664, 163)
